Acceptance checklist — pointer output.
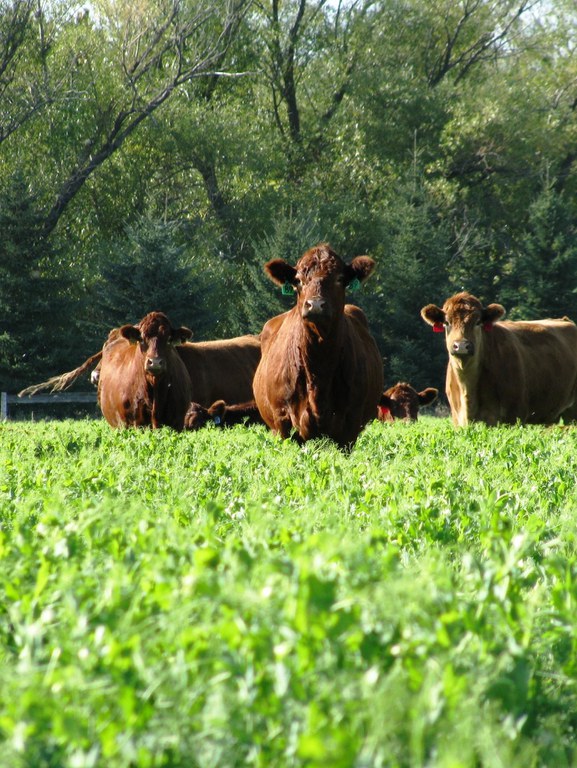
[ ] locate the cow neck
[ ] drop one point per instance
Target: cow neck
(156, 393)
(318, 355)
(157, 399)
(471, 375)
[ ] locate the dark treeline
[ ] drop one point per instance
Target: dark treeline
(153, 155)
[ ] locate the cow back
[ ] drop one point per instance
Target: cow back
(221, 369)
(528, 373)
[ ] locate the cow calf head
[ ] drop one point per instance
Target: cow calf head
(403, 402)
(198, 416)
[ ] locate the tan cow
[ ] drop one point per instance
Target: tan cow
(505, 372)
(321, 373)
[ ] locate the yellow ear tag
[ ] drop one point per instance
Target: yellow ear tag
(287, 289)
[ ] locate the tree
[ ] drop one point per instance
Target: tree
(411, 272)
(149, 272)
(37, 296)
(540, 281)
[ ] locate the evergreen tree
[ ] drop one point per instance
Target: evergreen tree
(36, 295)
(149, 271)
(542, 279)
(411, 272)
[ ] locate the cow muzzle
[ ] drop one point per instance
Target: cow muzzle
(463, 348)
(155, 365)
(314, 308)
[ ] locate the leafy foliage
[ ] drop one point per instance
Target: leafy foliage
(36, 293)
(210, 598)
(150, 272)
(438, 137)
(543, 284)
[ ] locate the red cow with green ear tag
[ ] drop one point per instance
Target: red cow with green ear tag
(321, 373)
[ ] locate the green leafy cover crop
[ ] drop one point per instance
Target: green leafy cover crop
(223, 598)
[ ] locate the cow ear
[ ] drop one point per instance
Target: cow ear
(217, 409)
(180, 335)
(433, 315)
(428, 396)
(385, 401)
(131, 333)
(493, 312)
(360, 268)
(280, 272)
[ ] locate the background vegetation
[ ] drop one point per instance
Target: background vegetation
(228, 599)
(154, 153)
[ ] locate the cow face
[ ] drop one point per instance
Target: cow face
(155, 334)
(403, 402)
(464, 320)
(198, 416)
(320, 279)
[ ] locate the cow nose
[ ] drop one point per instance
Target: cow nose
(463, 348)
(154, 365)
(314, 307)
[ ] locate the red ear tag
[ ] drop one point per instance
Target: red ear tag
(438, 327)
(383, 410)
(487, 326)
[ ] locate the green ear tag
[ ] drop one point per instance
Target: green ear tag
(355, 284)
(287, 289)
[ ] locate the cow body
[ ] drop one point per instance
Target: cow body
(321, 373)
(403, 402)
(222, 414)
(221, 369)
(502, 372)
(142, 380)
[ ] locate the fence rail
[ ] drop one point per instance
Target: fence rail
(7, 400)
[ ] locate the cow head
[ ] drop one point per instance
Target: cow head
(320, 279)
(198, 416)
(403, 402)
(154, 333)
(464, 320)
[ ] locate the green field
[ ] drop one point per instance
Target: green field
(220, 599)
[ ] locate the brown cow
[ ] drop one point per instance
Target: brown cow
(143, 381)
(403, 402)
(321, 373)
(504, 372)
(217, 369)
(221, 414)
(221, 369)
